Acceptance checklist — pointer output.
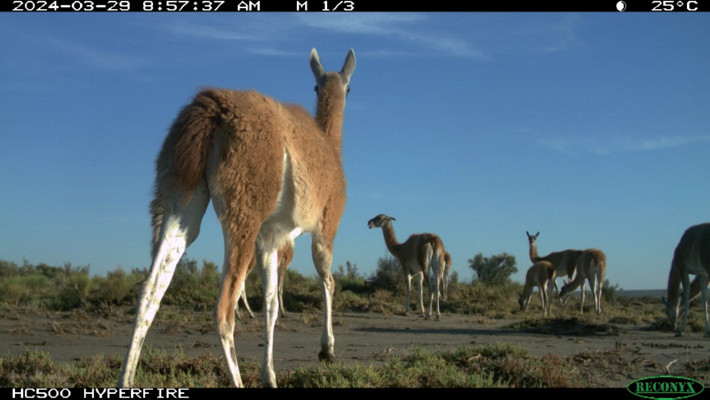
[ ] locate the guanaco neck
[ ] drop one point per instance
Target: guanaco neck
(330, 111)
(533, 252)
(390, 239)
(673, 284)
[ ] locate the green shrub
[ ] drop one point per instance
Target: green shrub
(73, 287)
(192, 286)
(610, 293)
(349, 301)
(8, 269)
(117, 288)
(348, 279)
(387, 276)
(493, 270)
(30, 289)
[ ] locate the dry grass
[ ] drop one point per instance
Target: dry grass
(471, 366)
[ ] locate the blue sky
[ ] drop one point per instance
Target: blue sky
(591, 128)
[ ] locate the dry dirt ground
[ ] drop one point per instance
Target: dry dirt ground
(611, 355)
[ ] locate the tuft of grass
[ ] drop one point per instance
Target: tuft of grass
(32, 368)
(159, 369)
(96, 372)
(385, 302)
(467, 367)
(332, 376)
(350, 301)
(491, 301)
(421, 369)
(512, 366)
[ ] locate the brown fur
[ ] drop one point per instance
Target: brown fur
(270, 169)
(445, 280)
(691, 256)
(412, 253)
(181, 161)
(565, 262)
(591, 261)
(285, 255)
(539, 274)
(259, 127)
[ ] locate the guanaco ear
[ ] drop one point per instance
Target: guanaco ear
(319, 72)
(348, 66)
(316, 66)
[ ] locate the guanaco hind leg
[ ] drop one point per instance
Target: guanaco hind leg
(420, 276)
(435, 269)
(243, 295)
(243, 298)
(179, 229)
(268, 264)
(238, 253)
(322, 252)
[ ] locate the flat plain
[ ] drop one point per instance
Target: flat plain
(610, 355)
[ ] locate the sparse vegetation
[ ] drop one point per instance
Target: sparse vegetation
(469, 367)
(67, 288)
(72, 290)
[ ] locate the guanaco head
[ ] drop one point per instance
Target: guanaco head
(327, 80)
(522, 300)
(532, 238)
(672, 311)
(379, 221)
(672, 303)
(565, 289)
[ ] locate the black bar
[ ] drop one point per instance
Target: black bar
(313, 394)
(659, 6)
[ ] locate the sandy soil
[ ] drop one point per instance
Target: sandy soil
(612, 355)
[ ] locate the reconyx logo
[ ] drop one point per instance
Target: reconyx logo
(665, 387)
